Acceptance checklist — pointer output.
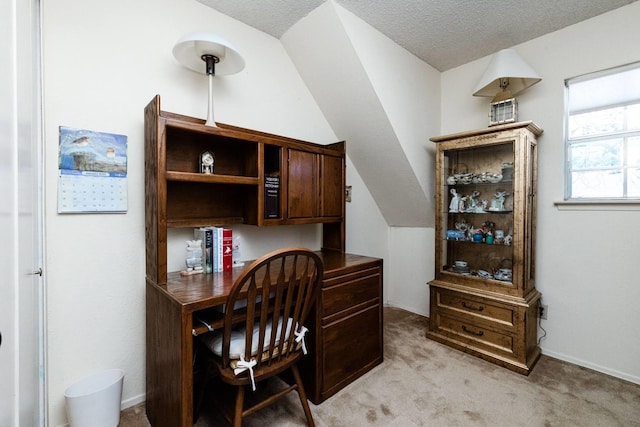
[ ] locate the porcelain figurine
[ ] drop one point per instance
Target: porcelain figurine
(497, 204)
(454, 206)
(474, 203)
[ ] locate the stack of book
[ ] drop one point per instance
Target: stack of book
(217, 248)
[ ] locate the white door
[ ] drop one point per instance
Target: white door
(21, 291)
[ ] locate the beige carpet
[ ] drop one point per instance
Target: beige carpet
(424, 383)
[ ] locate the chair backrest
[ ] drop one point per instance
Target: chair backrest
(279, 288)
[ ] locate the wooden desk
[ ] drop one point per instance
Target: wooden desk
(348, 316)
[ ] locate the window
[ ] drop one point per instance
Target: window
(603, 135)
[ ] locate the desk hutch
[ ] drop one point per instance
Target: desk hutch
(348, 313)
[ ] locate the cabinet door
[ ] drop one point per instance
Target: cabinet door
(302, 189)
(352, 346)
(331, 186)
(481, 216)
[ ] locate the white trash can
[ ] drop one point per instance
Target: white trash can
(94, 401)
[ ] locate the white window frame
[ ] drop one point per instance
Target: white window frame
(598, 201)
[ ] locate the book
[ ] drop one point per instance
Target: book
(204, 235)
(271, 196)
(215, 249)
(220, 249)
(227, 249)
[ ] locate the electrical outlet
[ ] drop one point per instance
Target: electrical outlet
(543, 311)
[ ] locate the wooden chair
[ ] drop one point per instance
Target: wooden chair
(264, 326)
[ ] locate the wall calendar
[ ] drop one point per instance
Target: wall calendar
(92, 172)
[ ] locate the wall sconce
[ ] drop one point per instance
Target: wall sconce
(208, 54)
(506, 76)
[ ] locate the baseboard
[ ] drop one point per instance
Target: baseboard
(602, 369)
(405, 308)
(133, 401)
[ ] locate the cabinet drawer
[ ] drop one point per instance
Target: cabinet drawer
(352, 346)
(477, 335)
(349, 292)
(477, 307)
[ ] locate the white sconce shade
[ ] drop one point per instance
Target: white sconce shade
(190, 49)
(507, 72)
(208, 54)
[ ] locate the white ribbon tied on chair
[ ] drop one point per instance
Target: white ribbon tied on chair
(300, 338)
(243, 365)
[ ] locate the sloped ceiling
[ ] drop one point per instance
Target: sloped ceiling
(443, 33)
(355, 105)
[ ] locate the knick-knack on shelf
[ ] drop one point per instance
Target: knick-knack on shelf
(454, 206)
(497, 204)
(193, 258)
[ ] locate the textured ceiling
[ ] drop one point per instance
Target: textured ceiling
(443, 33)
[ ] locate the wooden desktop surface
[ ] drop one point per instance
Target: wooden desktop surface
(207, 290)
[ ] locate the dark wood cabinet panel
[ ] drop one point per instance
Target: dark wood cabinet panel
(167, 398)
(332, 186)
(352, 291)
(316, 184)
(353, 346)
(302, 187)
(347, 323)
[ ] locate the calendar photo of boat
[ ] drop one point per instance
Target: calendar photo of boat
(86, 150)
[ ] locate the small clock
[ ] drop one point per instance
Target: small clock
(505, 111)
(207, 162)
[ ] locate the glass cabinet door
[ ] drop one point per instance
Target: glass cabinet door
(478, 212)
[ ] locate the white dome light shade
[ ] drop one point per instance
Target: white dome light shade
(209, 54)
(190, 49)
(506, 65)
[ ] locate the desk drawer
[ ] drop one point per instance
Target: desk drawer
(476, 307)
(477, 335)
(349, 291)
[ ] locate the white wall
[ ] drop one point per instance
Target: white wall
(409, 91)
(586, 265)
(103, 62)
(367, 231)
(386, 103)
(348, 95)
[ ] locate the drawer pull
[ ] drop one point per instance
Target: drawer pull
(469, 331)
(471, 307)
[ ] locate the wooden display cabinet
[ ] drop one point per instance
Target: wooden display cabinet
(483, 297)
